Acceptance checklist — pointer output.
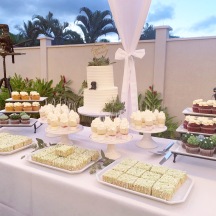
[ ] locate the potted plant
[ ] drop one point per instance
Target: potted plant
(102, 61)
(207, 147)
(192, 145)
(14, 118)
(184, 139)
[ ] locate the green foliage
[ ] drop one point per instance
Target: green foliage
(213, 138)
(114, 106)
(185, 137)
(152, 101)
(14, 116)
(193, 140)
(20, 84)
(102, 61)
(4, 94)
(206, 143)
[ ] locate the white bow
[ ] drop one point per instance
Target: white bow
(129, 85)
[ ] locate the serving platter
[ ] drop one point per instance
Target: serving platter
(189, 111)
(29, 159)
(179, 197)
(16, 150)
(11, 100)
(177, 149)
(181, 129)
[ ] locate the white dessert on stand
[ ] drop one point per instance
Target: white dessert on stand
(148, 122)
(111, 133)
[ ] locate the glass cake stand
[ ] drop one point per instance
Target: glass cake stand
(147, 142)
(63, 133)
(111, 143)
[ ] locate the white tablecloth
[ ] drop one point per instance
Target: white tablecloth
(30, 190)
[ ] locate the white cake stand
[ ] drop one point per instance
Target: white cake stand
(147, 142)
(63, 133)
(111, 143)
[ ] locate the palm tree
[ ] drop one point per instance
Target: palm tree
(29, 32)
(52, 27)
(95, 24)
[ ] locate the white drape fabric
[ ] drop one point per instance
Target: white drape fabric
(129, 17)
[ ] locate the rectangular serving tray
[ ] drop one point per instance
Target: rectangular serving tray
(28, 158)
(177, 149)
(181, 129)
(11, 100)
(32, 122)
(179, 197)
(17, 150)
(189, 111)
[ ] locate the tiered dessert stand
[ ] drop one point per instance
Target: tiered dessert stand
(147, 142)
(111, 143)
(63, 133)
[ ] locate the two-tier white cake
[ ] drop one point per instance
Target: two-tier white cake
(95, 99)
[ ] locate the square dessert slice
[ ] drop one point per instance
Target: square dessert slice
(143, 185)
(177, 174)
(163, 190)
(64, 150)
(122, 167)
(176, 182)
(93, 154)
(142, 165)
(129, 161)
(151, 176)
(110, 176)
(159, 169)
(135, 171)
(4, 147)
(126, 181)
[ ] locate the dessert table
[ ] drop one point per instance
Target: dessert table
(27, 189)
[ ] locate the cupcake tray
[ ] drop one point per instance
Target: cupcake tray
(189, 111)
(177, 149)
(179, 197)
(28, 158)
(181, 129)
(16, 150)
(32, 123)
(11, 100)
(4, 111)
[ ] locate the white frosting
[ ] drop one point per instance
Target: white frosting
(27, 104)
(17, 104)
(9, 105)
(94, 100)
(35, 104)
(23, 93)
(14, 93)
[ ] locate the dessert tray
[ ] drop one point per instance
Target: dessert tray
(179, 197)
(29, 159)
(16, 150)
(147, 142)
(4, 111)
(181, 129)
(11, 100)
(189, 111)
(177, 149)
(111, 151)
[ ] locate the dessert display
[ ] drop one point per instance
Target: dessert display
(147, 120)
(200, 124)
(116, 129)
(9, 142)
(59, 117)
(66, 157)
(15, 119)
(206, 107)
(23, 95)
(101, 89)
(157, 181)
(19, 107)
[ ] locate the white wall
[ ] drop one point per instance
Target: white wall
(189, 69)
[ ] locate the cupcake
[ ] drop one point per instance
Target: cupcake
(4, 119)
(35, 106)
(72, 121)
(15, 95)
(14, 118)
(195, 106)
(27, 106)
(101, 129)
(214, 108)
(205, 108)
(34, 95)
(25, 119)
(111, 129)
(194, 125)
(64, 120)
(161, 118)
(94, 125)
(187, 119)
(9, 107)
(24, 95)
(54, 122)
(208, 127)
(124, 127)
(18, 107)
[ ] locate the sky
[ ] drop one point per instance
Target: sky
(188, 18)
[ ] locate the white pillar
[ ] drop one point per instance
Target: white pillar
(44, 43)
(162, 34)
